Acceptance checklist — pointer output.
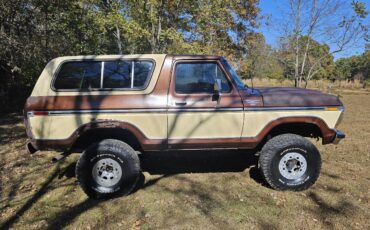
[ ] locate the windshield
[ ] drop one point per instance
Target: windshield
(233, 74)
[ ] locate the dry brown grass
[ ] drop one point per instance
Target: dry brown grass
(37, 194)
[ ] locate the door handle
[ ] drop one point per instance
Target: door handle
(180, 103)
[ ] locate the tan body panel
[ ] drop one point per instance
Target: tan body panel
(205, 125)
(155, 116)
(62, 130)
(184, 125)
(256, 121)
(59, 127)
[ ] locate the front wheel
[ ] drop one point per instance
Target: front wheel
(290, 162)
(108, 168)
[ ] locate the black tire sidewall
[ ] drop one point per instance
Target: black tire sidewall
(312, 158)
(123, 157)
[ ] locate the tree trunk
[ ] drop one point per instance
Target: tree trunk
(296, 66)
(297, 28)
(118, 39)
(156, 28)
(153, 36)
(313, 21)
(159, 31)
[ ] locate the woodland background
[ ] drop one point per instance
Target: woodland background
(200, 190)
(32, 32)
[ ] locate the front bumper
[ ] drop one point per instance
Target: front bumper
(339, 135)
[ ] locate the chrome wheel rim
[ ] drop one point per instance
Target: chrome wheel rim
(107, 172)
(292, 165)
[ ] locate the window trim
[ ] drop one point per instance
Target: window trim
(190, 61)
(102, 75)
(145, 86)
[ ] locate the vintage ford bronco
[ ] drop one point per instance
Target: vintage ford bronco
(113, 107)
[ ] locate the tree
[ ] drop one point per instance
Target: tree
(316, 53)
(317, 19)
(348, 68)
(32, 32)
(260, 59)
(178, 26)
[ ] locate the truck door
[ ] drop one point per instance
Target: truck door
(204, 107)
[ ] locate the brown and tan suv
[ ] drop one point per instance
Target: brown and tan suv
(113, 107)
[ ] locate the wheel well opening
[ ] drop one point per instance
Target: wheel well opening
(96, 135)
(303, 129)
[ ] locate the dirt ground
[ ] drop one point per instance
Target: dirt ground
(202, 190)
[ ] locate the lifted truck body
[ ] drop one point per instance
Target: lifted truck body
(111, 107)
(160, 119)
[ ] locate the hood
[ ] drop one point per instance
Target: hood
(289, 97)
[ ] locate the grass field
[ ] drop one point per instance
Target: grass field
(220, 190)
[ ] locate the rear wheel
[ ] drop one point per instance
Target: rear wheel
(290, 162)
(108, 168)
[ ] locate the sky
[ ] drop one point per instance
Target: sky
(276, 10)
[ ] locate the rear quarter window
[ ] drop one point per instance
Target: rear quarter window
(104, 75)
(126, 74)
(79, 75)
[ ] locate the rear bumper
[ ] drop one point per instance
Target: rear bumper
(31, 148)
(339, 135)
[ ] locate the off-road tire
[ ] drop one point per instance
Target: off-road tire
(272, 158)
(108, 149)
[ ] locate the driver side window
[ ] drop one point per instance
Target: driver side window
(199, 78)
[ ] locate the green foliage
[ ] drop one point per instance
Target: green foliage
(355, 66)
(32, 32)
(316, 53)
(261, 60)
(360, 8)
